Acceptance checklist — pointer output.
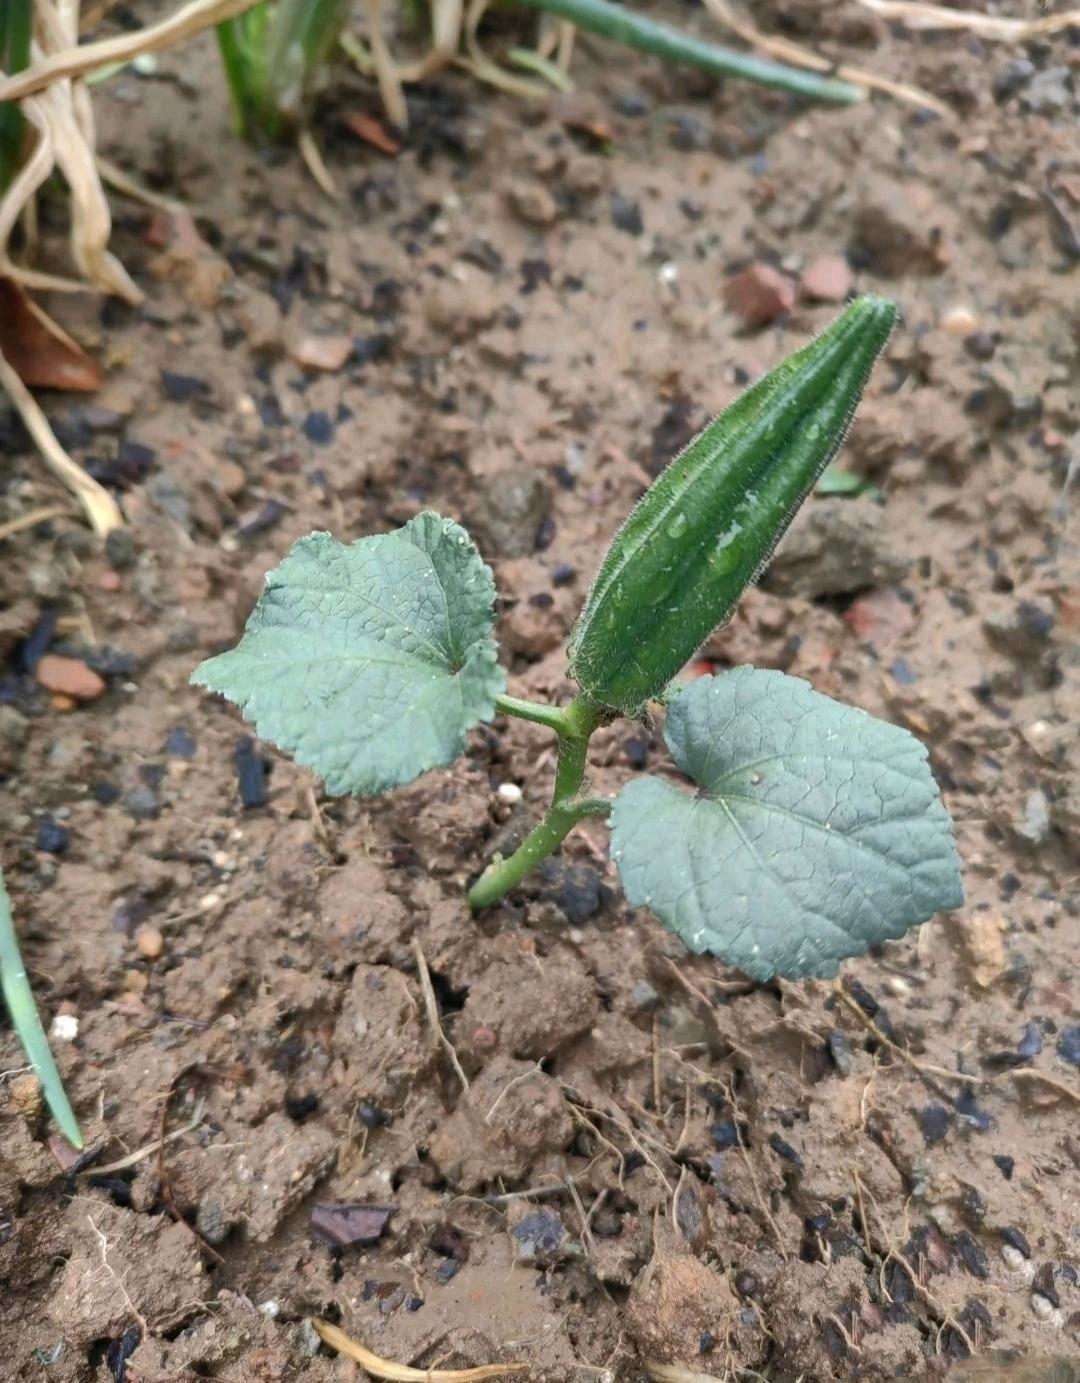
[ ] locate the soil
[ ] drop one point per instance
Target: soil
(640, 1158)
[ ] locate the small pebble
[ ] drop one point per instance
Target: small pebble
(1042, 1306)
(52, 838)
(69, 677)
(182, 388)
(632, 105)
(1005, 1165)
(827, 279)
(626, 215)
(981, 345)
(1012, 1258)
(65, 1028)
(644, 997)
(327, 353)
(759, 294)
(959, 321)
(509, 793)
(934, 1122)
(251, 773)
(142, 803)
(533, 203)
(1016, 1239)
(149, 943)
(181, 743)
(120, 549)
(1011, 78)
(318, 428)
(1068, 1045)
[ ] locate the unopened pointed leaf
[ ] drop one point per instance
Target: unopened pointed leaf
(706, 528)
(817, 830)
(370, 662)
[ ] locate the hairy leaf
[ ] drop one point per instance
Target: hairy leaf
(817, 830)
(369, 663)
(708, 525)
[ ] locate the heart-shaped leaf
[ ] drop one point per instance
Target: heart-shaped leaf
(817, 830)
(369, 662)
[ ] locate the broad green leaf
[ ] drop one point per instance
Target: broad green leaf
(27, 1024)
(369, 663)
(816, 831)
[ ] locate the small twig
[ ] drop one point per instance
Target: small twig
(922, 1068)
(32, 518)
(530, 1193)
(403, 1373)
(141, 1154)
(127, 186)
(624, 1126)
(1024, 1073)
(656, 1091)
(517, 1080)
(432, 1009)
(77, 61)
(762, 1203)
(586, 1233)
(99, 506)
(116, 1277)
(847, 1336)
(991, 26)
(316, 165)
(787, 51)
(587, 1123)
(163, 1180)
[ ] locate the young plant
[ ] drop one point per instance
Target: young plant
(274, 55)
(811, 831)
(27, 1024)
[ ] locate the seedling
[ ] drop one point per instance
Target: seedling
(814, 830)
(24, 1017)
(274, 56)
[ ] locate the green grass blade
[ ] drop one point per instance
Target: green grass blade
(16, 23)
(650, 36)
(303, 35)
(31, 1034)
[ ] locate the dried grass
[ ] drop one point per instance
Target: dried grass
(55, 102)
(997, 28)
(404, 1373)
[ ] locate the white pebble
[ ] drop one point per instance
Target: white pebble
(668, 273)
(271, 1308)
(508, 792)
(210, 902)
(1013, 1258)
(897, 986)
(1042, 1306)
(65, 1028)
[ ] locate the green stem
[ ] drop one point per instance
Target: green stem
(574, 726)
(650, 36)
(536, 711)
(27, 1024)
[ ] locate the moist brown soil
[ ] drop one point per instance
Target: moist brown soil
(654, 1160)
